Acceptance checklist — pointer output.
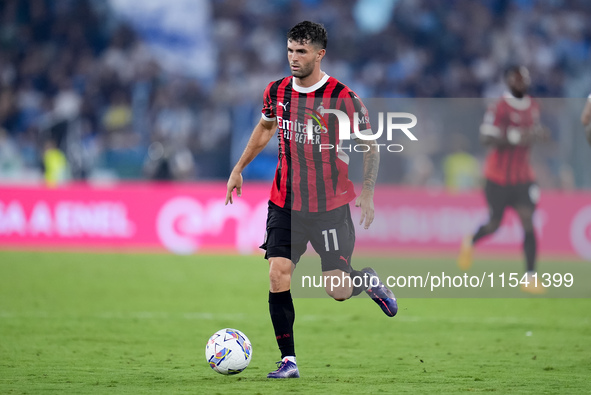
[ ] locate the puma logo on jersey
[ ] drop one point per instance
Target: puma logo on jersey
(283, 105)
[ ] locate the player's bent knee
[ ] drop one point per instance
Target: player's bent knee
(337, 284)
(339, 294)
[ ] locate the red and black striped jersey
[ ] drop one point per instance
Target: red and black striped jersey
(509, 119)
(312, 173)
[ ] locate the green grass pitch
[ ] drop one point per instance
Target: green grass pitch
(73, 323)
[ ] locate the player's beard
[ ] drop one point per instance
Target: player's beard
(304, 71)
(519, 92)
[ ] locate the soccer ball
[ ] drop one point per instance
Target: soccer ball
(228, 351)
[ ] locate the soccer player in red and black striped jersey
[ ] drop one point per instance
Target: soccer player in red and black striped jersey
(311, 192)
(510, 127)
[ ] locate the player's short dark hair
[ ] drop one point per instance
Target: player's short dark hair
(309, 32)
(512, 68)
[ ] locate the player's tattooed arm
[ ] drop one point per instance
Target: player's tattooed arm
(371, 163)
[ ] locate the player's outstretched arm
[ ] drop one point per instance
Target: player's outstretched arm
(371, 163)
(259, 138)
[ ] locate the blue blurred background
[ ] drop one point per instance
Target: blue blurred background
(170, 90)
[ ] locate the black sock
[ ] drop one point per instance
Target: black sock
(530, 247)
(357, 277)
(482, 232)
(283, 317)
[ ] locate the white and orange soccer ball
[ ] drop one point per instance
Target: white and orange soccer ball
(228, 351)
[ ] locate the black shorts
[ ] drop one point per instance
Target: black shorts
(501, 196)
(331, 233)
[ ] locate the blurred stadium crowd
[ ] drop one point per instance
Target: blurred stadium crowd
(76, 79)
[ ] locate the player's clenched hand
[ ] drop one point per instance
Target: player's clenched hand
(365, 201)
(235, 181)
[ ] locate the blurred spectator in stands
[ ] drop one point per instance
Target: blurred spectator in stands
(461, 170)
(117, 116)
(168, 162)
(66, 108)
(421, 172)
(29, 150)
(8, 110)
(117, 56)
(10, 160)
(55, 164)
(169, 156)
